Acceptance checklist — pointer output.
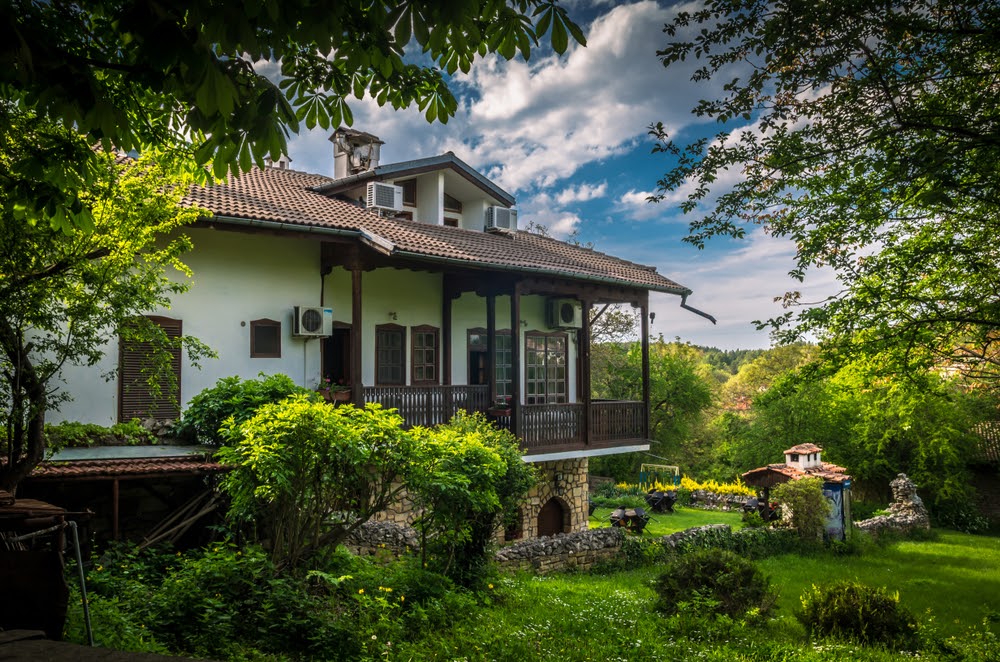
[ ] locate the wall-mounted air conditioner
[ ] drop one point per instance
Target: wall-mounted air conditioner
(501, 219)
(387, 197)
(312, 322)
(564, 314)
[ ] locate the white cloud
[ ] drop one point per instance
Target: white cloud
(581, 193)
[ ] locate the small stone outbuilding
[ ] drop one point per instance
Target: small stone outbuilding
(805, 461)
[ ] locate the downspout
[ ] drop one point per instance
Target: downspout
(695, 310)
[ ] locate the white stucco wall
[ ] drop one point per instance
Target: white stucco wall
(241, 277)
(237, 278)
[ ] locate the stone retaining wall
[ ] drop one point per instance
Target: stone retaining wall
(906, 513)
(580, 550)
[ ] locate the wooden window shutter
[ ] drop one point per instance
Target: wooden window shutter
(135, 399)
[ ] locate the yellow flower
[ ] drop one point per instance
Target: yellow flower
(402, 598)
(361, 591)
(489, 586)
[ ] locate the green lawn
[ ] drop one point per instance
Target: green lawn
(606, 617)
(955, 578)
(679, 520)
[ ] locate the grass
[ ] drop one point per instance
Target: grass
(610, 617)
(954, 577)
(679, 520)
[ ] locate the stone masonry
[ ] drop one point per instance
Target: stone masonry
(906, 513)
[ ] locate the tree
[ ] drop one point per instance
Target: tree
(193, 73)
(64, 297)
(308, 474)
(873, 143)
(470, 481)
(681, 389)
(807, 505)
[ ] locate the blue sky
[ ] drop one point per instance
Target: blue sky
(567, 136)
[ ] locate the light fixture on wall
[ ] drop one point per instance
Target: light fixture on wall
(557, 483)
(392, 316)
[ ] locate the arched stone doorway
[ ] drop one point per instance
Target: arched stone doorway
(552, 518)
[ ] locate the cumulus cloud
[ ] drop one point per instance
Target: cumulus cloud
(581, 193)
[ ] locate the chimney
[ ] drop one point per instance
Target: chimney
(354, 152)
(282, 163)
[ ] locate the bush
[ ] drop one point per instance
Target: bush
(714, 581)
(857, 612)
(71, 434)
(809, 508)
(960, 515)
(232, 396)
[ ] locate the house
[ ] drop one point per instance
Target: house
(410, 284)
(805, 461)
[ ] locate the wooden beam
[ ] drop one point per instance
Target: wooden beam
(515, 358)
(491, 346)
(645, 362)
(357, 388)
(583, 354)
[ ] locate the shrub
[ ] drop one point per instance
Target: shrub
(809, 508)
(714, 581)
(308, 473)
(232, 396)
(71, 434)
(960, 515)
(857, 612)
(627, 501)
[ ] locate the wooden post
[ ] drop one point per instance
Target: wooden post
(515, 359)
(645, 363)
(583, 350)
(114, 509)
(491, 346)
(446, 292)
(357, 388)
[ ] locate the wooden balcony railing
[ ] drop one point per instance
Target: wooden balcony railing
(429, 405)
(616, 420)
(543, 428)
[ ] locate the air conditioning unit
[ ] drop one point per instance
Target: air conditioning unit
(501, 219)
(388, 197)
(564, 314)
(312, 322)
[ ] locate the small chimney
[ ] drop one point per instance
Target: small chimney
(282, 163)
(354, 152)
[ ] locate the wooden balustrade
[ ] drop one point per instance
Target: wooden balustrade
(429, 405)
(616, 420)
(542, 427)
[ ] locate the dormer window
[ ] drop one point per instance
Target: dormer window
(409, 187)
(450, 203)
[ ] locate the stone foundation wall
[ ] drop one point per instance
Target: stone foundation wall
(565, 481)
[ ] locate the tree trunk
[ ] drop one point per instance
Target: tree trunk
(26, 417)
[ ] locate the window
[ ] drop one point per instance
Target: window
(478, 357)
(545, 368)
(452, 204)
(265, 339)
(451, 222)
(409, 192)
(390, 355)
(404, 215)
(794, 457)
(424, 355)
(137, 398)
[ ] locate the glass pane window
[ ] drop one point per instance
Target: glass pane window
(390, 355)
(425, 355)
(545, 368)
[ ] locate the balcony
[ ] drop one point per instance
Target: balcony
(543, 428)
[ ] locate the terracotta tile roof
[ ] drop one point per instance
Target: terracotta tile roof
(282, 196)
(780, 473)
(804, 449)
(132, 467)
(987, 448)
